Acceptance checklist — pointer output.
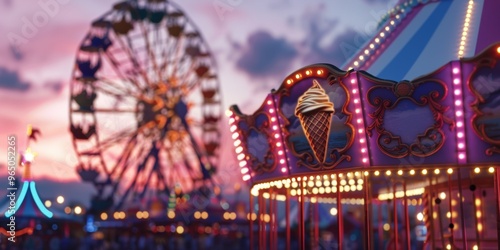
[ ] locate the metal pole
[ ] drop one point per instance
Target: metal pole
(431, 213)
(367, 204)
(395, 214)
(339, 215)
(407, 218)
(261, 220)
(250, 215)
(452, 238)
(476, 221)
(287, 219)
(496, 178)
(302, 218)
(276, 226)
(379, 223)
(316, 224)
(264, 223)
(271, 219)
(462, 217)
(299, 222)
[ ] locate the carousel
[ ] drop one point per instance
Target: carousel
(364, 159)
(26, 217)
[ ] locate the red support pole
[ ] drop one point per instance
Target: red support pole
(299, 222)
(316, 225)
(407, 218)
(262, 229)
(264, 223)
(250, 213)
(431, 214)
(496, 181)
(340, 218)
(368, 222)
(452, 238)
(271, 221)
(379, 223)
(287, 219)
(395, 205)
(302, 218)
(276, 222)
(462, 218)
(261, 220)
(272, 214)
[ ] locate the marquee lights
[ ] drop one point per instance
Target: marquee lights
(372, 48)
(359, 117)
(459, 111)
(299, 75)
(349, 182)
(239, 148)
(465, 30)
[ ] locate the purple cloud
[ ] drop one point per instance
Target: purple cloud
(10, 79)
(265, 55)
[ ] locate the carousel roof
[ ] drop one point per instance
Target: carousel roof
(29, 204)
(445, 116)
(417, 37)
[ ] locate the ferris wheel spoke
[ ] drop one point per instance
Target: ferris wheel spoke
(153, 152)
(125, 155)
(109, 92)
(171, 52)
(126, 164)
(186, 74)
(151, 55)
(177, 62)
(148, 180)
(114, 86)
(198, 152)
(115, 110)
(127, 191)
(115, 66)
(103, 110)
(119, 97)
(166, 53)
(114, 139)
(174, 168)
(139, 171)
(132, 57)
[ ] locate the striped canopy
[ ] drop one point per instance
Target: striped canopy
(418, 37)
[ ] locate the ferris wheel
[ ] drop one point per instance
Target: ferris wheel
(145, 104)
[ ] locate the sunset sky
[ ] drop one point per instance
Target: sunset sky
(256, 44)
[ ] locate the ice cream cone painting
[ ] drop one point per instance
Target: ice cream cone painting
(315, 112)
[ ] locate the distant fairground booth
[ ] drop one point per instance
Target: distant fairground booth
(346, 160)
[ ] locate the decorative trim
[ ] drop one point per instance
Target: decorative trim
(403, 91)
(487, 59)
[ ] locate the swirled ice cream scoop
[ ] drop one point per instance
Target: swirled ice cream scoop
(314, 99)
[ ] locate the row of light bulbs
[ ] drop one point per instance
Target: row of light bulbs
(465, 30)
(371, 48)
(236, 136)
(345, 182)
